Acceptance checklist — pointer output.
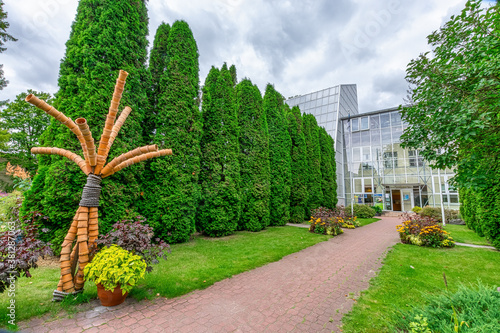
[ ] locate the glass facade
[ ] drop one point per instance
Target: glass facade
(372, 167)
(378, 171)
(329, 106)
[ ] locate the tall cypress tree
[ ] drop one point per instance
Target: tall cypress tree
(300, 168)
(157, 66)
(171, 190)
(279, 156)
(315, 198)
(232, 70)
(253, 157)
(105, 37)
(328, 169)
(219, 209)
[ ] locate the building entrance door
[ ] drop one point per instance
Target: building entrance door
(396, 200)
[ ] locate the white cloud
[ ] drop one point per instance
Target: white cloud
(299, 46)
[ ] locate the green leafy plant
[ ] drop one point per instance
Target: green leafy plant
(378, 210)
(362, 211)
(416, 209)
(113, 266)
(420, 325)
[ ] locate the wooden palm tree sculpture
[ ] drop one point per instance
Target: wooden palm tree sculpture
(84, 230)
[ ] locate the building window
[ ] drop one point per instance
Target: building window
(389, 158)
(355, 124)
(364, 123)
(415, 159)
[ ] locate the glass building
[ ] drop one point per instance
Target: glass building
(372, 167)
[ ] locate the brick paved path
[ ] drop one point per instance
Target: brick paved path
(308, 291)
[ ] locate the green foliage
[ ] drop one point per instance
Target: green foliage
(113, 266)
(313, 157)
(220, 204)
(362, 211)
(253, 157)
(279, 156)
(432, 212)
(416, 209)
(470, 309)
(25, 123)
(4, 37)
(105, 37)
(328, 169)
(9, 208)
(300, 166)
(171, 190)
(454, 99)
(158, 60)
(232, 70)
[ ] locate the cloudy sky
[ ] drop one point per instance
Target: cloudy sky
(298, 45)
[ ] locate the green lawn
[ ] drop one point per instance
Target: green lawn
(363, 222)
(462, 234)
(193, 265)
(411, 271)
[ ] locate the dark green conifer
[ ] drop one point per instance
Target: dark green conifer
(157, 67)
(314, 189)
(300, 166)
(279, 157)
(328, 169)
(171, 190)
(232, 70)
(219, 209)
(106, 36)
(254, 157)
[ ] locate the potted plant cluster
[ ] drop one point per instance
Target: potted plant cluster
(115, 271)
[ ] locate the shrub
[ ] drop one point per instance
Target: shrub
(362, 211)
(378, 209)
(416, 209)
(467, 310)
(9, 208)
(435, 213)
(136, 237)
(423, 231)
(20, 249)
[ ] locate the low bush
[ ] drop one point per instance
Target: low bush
(135, 236)
(416, 209)
(378, 210)
(467, 310)
(362, 211)
(435, 213)
(423, 231)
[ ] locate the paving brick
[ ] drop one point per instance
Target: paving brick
(303, 292)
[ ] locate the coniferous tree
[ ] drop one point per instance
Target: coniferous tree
(300, 167)
(232, 70)
(157, 66)
(105, 37)
(328, 169)
(219, 210)
(171, 185)
(279, 157)
(254, 157)
(315, 192)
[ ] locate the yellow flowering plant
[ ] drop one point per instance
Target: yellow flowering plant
(423, 231)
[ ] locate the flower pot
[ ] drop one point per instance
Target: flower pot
(110, 297)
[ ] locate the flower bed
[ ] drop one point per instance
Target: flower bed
(423, 231)
(330, 222)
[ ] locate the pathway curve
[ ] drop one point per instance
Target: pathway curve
(307, 291)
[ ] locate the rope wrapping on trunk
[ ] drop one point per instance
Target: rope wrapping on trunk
(91, 191)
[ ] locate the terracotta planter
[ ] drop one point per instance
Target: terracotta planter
(110, 297)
